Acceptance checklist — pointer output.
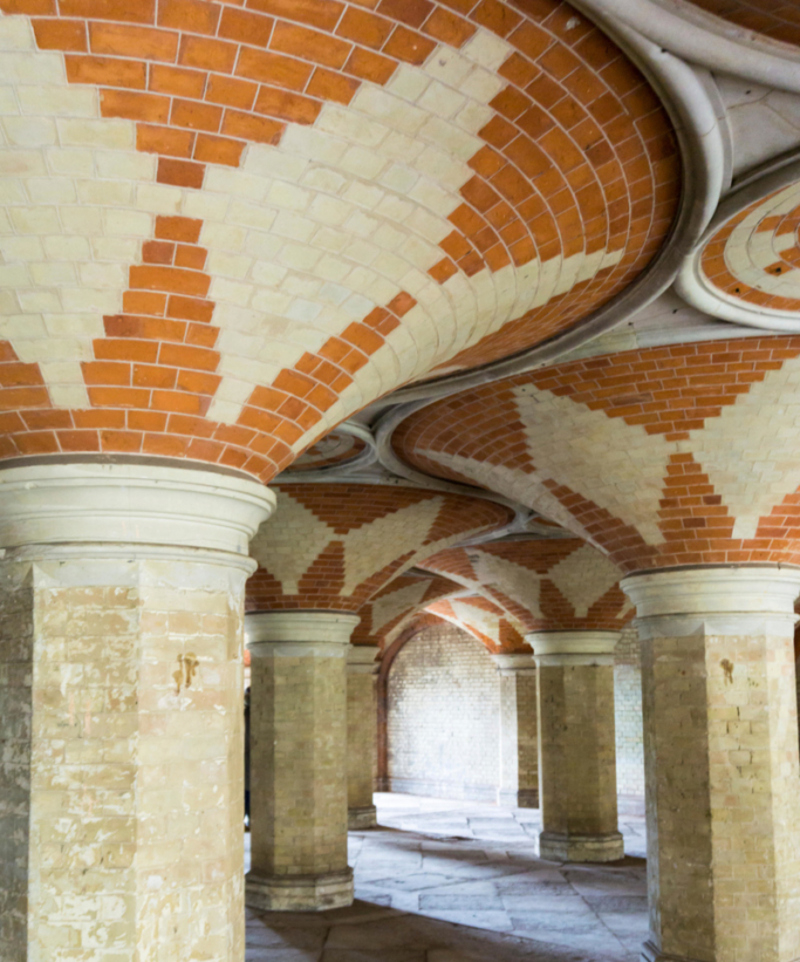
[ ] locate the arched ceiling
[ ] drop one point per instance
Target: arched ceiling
(227, 227)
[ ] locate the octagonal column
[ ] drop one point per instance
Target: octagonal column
(721, 757)
(362, 736)
(298, 768)
(121, 769)
(577, 753)
(519, 731)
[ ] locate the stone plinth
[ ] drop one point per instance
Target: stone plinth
(298, 777)
(721, 756)
(121, 775)
(362, 736)
(519, 739)
(577, 753)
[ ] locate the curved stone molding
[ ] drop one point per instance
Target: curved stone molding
(511, 664)
(746, 268)
(349, 447)
(299, 632)
(703, 38)
(361, 659)
(573, 647)
(134, 504)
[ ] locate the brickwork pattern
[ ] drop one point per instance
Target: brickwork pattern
(778, 21)
(754, 258)
(663, 456)
(391, 609)
(134, 735)
(540, 177)
(298, 732)
(628, 715)
(333, 546)
(443, 717)
(558, 584)
(486, 621)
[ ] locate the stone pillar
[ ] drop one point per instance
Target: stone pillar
(519, 732)
(121, 703)
(362, 736)
(577, 752)
(721, 757)
(298, 768)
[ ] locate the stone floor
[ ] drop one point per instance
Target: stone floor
(461, 882)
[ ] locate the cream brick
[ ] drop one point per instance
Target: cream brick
(29, 132)
(96, 133)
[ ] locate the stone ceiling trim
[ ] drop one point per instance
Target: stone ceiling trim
(698, 291)
(702, 38)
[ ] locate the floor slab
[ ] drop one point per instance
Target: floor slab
(443, 881)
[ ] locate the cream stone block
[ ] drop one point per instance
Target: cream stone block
(577, 750)
(519, 732)
(362, 736)
(721, 757)
(298, 785)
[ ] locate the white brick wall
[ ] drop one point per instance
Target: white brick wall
(628, 715)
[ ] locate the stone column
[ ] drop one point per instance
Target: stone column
(362, 736)
(298, 769)
(519, 731)
(121, 703)
(721, 757)
(577, 753)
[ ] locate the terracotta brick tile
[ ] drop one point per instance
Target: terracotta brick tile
(274, 69)
(146, 420)
(184, 229)
(99, 419)
(163, 140)
(190, 309)
(370, 66)
(196, 382)
(497, 17)
(194, 16)
(196, 116)
(134, 106)
(106, 71)
(246, 27)
(364, 28)
(41, 442)
(169, 279)
(61, 35)
(119, 397)
(179, 401)
(31, 7)
(231, 92)
(218, 150)
(519, 70)
(287, 106)
(158, 252)
(409, 46)
(332, 86)
(121, 441)
(180, 173)
(248, 127)
(411, 12)
(165, 445)
(154, 375)
(218, 55)
(143, 11)
(121, 39)
(448, 27)
(323, 14)
(310, 45)
(184, 356)
(176, 80)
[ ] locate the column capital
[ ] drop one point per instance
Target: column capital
(161, 508)
(299, 632)
(513, 664)
(723, 589)
(361, 660)
(573, 647)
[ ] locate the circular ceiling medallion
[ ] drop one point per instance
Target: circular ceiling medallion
(747, 268)
(339, 449)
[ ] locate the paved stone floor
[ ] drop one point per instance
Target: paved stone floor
(461, 882)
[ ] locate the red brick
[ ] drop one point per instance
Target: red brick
(61, 35)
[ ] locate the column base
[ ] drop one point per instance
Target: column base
(360, 818)
(526, 798)
(652, 954)
(556, 847)
(299, 893)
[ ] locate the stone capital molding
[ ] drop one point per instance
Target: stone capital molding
(299, 633)
(83, 503)
(724, 590)
(361, 660)
(509, 664)
(572, 643)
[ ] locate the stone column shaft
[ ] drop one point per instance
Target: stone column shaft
(722, 771)
(519, 732)
(577, 752)
(298, 772)
(362, 736)
(121, 775)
